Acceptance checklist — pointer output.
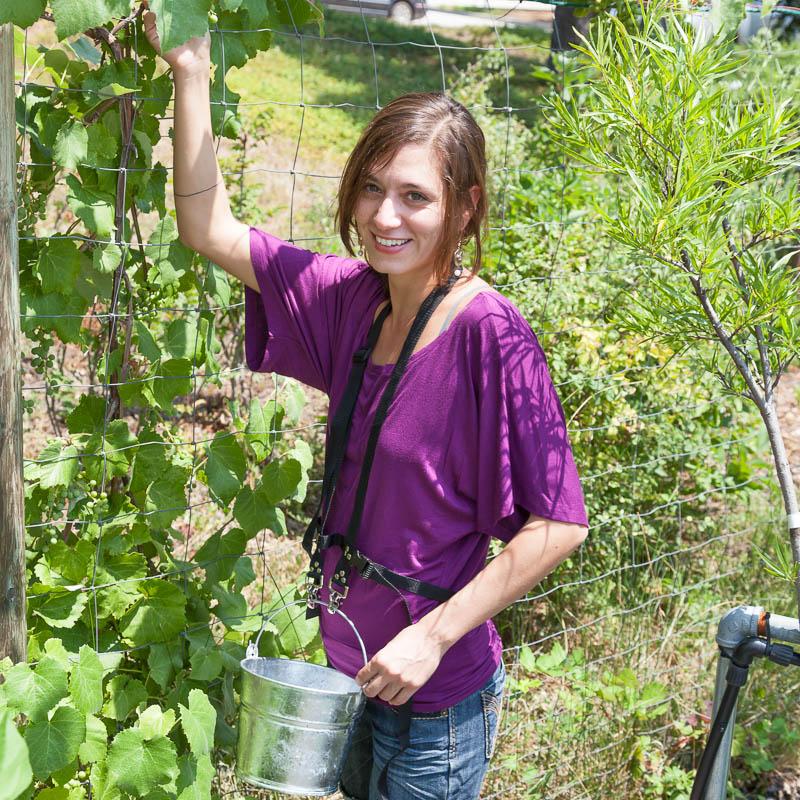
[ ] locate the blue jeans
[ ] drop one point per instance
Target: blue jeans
(448, 756)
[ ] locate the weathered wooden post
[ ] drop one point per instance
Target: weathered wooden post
(12, 516)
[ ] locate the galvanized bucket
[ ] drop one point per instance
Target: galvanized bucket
(295, 721)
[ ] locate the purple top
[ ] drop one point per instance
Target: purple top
(473, 442)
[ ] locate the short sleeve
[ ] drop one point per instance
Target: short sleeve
(524, 460)
(306, 301)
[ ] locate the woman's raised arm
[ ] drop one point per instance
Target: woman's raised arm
(205, 221)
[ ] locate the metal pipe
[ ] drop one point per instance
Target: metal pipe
(718, 780)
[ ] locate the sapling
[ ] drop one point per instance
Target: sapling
(704, 178)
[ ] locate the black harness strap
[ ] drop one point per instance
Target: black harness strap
(316, 540)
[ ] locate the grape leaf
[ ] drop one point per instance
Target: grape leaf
(86, 681)
(225, 467)
(35, 692)
(163, 660)
(59, 609)
(181, 339)
(21, 12)
(137, 764)
(200, 787)
(59, 264)
(124, 694)
(15, 766)
(174, 380)
(219, 553)
(177, 21)
(71, 145)
(106, 259)
(53, 743)
(95, 745)
(198, 721)
(55, 466)
(88, 415)
(206, 663)
(76, 16)
(280, 479)
(95, 208)
(158, 616)
(155, 722)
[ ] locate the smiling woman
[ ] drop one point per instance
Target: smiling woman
(446, 429)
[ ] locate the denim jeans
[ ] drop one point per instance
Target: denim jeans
(448, 756)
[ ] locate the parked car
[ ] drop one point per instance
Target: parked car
(783, 19)
(397, 10)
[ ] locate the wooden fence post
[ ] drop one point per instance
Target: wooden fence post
(12, 510)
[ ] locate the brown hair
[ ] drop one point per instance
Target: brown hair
(457, 140)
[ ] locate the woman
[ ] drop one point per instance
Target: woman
(472, 443)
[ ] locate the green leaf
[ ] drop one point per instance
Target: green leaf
(169, 257)
(147, 344)
(164, 660)
(124, 694)
(181, 339)
(254, 513)
(174, 380)
(84, 49)
(155, 722)
(114, 451)
(59, 609)
(71, 146)
(259, 424)
(88, 416)
(157, 617)
(218, 285)
(21, 12)
(225, 467)
(280, 479)
(200, 787)
(15, 766)
(231, 608)
(35, 692)
(219, 553)
(95, 208)
(198, 721)
(95, 745)
(59, 264)
(179, 20)
(53, 743)
(57, 465)
(86, 681)
(206, 663)
(107, 258)
(137, 764)
(77, 16)
(294, 631)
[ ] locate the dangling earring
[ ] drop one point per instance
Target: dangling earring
(458, 260)
(361, 253)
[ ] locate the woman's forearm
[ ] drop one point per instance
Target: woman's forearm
(537, 549)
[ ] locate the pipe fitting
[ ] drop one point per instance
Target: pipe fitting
(738, 624)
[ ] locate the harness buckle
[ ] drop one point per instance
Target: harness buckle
(338, 589)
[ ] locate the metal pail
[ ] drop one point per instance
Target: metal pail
(295, 721)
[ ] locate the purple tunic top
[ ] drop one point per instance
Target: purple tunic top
(474, 442)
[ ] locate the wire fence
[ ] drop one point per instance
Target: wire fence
(608, 659)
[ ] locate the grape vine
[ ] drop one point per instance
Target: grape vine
(134, 650)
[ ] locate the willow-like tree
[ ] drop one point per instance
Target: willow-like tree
(704, 178)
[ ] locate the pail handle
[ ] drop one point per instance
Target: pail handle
(252, 647)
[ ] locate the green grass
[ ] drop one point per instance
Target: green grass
(362, 63)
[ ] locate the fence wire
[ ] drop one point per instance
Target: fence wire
(613, 650)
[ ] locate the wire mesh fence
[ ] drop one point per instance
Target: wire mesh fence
(148, 442)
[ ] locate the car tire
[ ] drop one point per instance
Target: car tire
(401, 11)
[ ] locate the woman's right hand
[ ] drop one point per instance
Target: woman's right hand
(195, 54)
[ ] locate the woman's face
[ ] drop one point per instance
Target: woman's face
(400, 211)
